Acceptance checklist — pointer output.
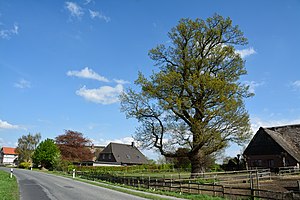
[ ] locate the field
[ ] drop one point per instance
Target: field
(8, 187)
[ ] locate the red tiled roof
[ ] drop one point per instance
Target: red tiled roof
(9, 150)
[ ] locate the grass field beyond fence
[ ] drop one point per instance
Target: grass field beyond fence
(8, 187)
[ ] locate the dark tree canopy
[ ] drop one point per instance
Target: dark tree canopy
(72, 146)
(195, 100)
(46, 154)
(26, 146)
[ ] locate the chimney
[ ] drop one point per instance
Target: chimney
(132, 144)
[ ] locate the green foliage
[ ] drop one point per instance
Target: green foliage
(127, 169)
(63, 165)
(195, 100)
(216, 168)
(8, 187)
(46, 154)
(25, 165)
(181, 160)
(26, 146)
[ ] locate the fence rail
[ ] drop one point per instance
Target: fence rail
(192, 186)
(289, 170)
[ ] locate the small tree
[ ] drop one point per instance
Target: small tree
(72, 146)
(26, 146)
(46, 154)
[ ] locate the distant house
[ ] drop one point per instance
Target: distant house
(274, 147)
(121, 154)
(8, 156)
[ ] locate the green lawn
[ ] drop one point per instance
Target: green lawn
(8, 187)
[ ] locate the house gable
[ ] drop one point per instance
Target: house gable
(263, 144)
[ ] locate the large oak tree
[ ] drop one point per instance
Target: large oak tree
(195, 99)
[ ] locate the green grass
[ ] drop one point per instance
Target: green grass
(8, 187)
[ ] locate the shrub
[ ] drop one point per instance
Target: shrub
(25, 165)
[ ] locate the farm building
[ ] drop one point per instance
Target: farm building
(274, 147)
(121, 154)
(8, 156)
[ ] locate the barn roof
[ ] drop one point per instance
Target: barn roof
(288, 137)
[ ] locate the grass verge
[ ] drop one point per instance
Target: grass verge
(9, 189)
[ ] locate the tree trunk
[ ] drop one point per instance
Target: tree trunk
(196, 163)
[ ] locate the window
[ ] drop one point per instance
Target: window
(103, 156)
(109, 156)
(128, 156)
(270, 163)
(259, 163)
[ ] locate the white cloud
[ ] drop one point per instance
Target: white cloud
(246, 52)
(256, 123)
(125, 140)
(74, 9)
(120, 81)
(252, 85)
(87, 2)
(102, 95)
(8, 33)
(6, 125)
(87, 73)
(96, 14)
(102, 142)
(23, 84)
(296, 84)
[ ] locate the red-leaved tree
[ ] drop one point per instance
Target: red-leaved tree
(72, 146)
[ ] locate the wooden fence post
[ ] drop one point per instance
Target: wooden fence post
(124, 179)
(164, 182)
(171, 182)
(223, 191)
(214, 188)
(257, 183)
(180, 186)
(251, 187)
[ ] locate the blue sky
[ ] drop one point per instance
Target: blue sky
(63, 63)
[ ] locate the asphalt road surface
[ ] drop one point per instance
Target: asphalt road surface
(41, 186)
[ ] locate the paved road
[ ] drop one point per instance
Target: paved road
(41, 186)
